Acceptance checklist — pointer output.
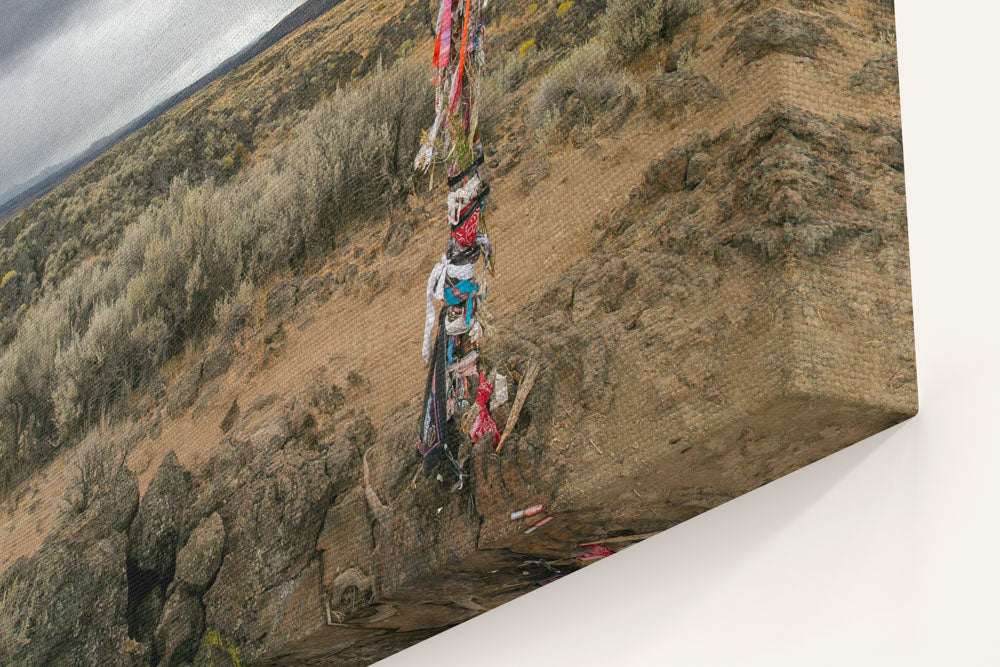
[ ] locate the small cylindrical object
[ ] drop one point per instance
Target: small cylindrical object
(538, 525)
(522, 514)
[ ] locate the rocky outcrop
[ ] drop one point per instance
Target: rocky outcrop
(154, 534)
(66, 605)
(668, 95)
(274, 519)
(180, 628)
(781, 31)
(199, 559)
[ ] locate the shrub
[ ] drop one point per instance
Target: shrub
(92, 470)
(629, 27)
(586, 76)
(233, 311)
(504, 75)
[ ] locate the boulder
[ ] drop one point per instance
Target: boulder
(199, 559)
(667, 174)
(273, 521)
(698, 168)
(154, 534)
(185, 390)
(217, 362)
(179, 632)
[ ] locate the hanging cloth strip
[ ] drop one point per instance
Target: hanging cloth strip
(442, 45)
(460, 199)
(433, 418)
(456, 88)
(465, 289)
(426, 153)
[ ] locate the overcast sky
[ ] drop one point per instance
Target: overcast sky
(73, 71)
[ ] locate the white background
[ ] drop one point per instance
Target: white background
(887, 553)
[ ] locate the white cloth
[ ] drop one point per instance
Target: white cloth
(499, 396)
(435, 291)
(460, 198)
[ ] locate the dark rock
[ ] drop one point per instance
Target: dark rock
(231, 416)
(282, 297)
(217, 362)
(890, 151)
(66, 605)
(145, 615)
(698, 168)
(668, 173)
(179, 632)
(397, 236)
(154, 533)
(877, 75)
(199, 559)
(302, 422)
(185, 390)
(669, 94)
(346, 274)
(325, 396)
(346, 538)
(788, 32)
(269, 438)
(262, 401)
(273, 522)
(273, 333)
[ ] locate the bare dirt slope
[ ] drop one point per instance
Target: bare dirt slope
(382, 340)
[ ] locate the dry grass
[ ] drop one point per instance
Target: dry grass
(106, 331)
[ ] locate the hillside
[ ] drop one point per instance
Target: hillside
(53, 176)
(707, 267)
(205, 135)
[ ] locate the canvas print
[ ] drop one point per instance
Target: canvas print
(326, 326)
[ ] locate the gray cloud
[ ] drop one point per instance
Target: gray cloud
(26, 24)
(73, 71)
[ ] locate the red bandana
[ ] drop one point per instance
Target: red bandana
(465, 234)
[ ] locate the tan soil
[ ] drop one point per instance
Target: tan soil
(380, 337)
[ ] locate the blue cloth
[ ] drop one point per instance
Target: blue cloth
(466, 287)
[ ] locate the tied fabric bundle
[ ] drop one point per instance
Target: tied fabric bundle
(484, 422)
